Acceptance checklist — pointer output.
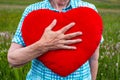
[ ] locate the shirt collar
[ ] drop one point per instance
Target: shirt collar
(70, 4)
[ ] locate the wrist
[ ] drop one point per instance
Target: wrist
(39, 48)
(42, 46)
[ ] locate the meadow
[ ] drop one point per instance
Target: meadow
(109, 59)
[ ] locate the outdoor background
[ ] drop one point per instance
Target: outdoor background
(109, 59)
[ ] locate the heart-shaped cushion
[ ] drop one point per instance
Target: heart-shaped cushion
(64, 62)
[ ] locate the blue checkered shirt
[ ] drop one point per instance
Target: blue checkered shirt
(40, 72)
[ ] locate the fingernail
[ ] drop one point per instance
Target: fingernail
(75, 48)
(54, 20)
(80, 32)
(73, 23)
(79, 39)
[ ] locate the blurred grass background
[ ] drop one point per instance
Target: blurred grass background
(109, 60)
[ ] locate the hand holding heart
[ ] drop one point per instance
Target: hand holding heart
(53, 40)
(59, 38)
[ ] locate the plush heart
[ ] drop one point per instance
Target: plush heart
(64, 62)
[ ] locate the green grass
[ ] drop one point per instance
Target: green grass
(7, 72)
(9, 19)
(18, 2)
(112, 4)
(109, 60)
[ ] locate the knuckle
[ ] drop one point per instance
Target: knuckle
(58, 32)
(77, 33)
(60, 46)
(61, 36)
(59, 42)
(47, 28)
(70, 35)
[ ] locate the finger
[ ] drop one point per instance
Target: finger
(52, 24)
(69, 47)
(67, 42)
(66, 28)
(72, 35)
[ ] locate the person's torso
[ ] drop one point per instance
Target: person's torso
(40, 72)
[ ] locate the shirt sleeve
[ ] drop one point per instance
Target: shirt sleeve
(102, 39)
(93, 7)
(17, 38)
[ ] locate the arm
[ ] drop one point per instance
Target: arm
(19, 55)
(50, 40)
(94, 63)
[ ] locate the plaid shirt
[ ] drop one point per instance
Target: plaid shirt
(40, 72)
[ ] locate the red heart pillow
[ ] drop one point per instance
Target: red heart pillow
(64, 62)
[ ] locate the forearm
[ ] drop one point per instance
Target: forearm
(94, 68)
(50, 40)
(23, 55)
(94, 63)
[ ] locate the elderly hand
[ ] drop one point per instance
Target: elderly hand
(53, 40)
